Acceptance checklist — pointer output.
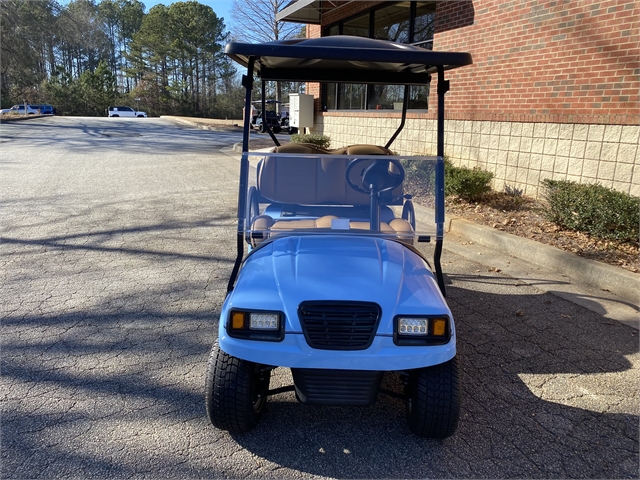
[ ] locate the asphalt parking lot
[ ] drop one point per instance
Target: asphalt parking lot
(116, 242)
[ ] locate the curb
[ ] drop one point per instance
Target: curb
(622, 283)
(185, 122)
(200, 125)
(20, 118)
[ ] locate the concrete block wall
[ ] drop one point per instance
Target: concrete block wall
(519, 154)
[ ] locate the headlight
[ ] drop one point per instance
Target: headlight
(256, 325)
(264, 321)
(421, 330)
(413, 326)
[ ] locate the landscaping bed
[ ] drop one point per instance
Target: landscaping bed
(525, 217)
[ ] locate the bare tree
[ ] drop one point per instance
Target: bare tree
(254, 21)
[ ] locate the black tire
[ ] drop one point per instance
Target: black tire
(115, 115)
(261, 128)
(433, 405)
(235, 392)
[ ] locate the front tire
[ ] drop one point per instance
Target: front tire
(235, 392)
(433, 406)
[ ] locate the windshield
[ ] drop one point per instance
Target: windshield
(327, 193)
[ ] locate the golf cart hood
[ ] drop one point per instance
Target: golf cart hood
(337, 268)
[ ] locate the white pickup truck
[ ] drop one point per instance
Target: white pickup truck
(124, 112)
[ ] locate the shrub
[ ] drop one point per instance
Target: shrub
(320, 140)
(419, 176)
(593, 209)
(468, 184)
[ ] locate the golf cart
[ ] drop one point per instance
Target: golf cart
(328, 280)
(270, 117)
(285, 120)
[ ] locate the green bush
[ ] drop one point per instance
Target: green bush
(468, 184)
(320, 140)
(593, 209)
(419, 176)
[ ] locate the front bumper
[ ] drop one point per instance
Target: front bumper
(294, 352)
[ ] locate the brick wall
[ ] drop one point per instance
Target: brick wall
(561, 61)
(553, 93)
(314, 31)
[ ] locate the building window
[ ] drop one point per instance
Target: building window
(424, 25)
(358, 26)
(402, 22)
(393, 23)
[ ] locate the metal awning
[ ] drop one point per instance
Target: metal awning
(307, 11)
(302, 11)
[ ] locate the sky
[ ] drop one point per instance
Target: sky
(221, 7)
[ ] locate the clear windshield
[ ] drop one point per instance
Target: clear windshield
(378, 195)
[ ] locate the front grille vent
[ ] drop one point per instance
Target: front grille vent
(339, 325)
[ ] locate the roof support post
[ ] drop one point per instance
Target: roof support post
(247, 83)
(405, 104)
(443, 88)
(265, 124)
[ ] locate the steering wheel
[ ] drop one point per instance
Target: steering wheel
(376, 175)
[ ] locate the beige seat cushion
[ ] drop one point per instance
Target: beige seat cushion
(264, 225)
(367, 150)
(300, 148)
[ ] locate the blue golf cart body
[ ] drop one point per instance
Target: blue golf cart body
(328, 280)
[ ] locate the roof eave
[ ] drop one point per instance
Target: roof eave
(301, 11)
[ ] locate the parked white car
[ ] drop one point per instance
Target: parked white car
(19, 109)
(120, 111)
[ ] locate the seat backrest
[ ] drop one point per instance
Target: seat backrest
(318, 181)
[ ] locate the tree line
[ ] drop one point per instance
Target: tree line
(84, 55)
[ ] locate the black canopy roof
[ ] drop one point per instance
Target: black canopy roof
(345, 59)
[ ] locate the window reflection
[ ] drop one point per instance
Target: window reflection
(358, 26)
(392, 23)
(352, 97)
(424, 25)
(402, 22)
